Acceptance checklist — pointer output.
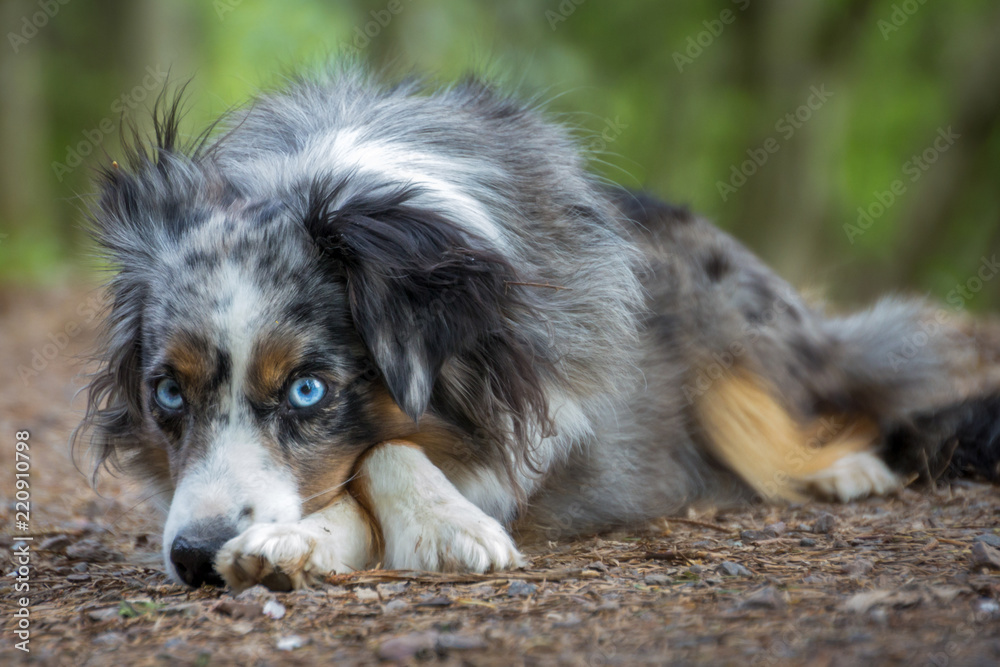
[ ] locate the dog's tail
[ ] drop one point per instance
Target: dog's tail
(930, 378)
(962, 439)
(904, 391)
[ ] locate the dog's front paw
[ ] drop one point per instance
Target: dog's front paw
(456, 536)
(281, 556)
(286, 556)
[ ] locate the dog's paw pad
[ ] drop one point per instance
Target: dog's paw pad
(854, 476)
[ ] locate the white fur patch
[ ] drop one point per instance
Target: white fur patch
(491, 491)
(426, 523)
(349, 149)
(236, 473)
(334, 540)
(855, 476)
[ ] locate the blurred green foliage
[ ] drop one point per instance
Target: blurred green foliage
(678, 98)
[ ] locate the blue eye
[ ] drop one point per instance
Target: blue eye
(306, 392)
(168, 394)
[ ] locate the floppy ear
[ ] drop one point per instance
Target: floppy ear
(419, 292)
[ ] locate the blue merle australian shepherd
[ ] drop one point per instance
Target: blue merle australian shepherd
(360, 324)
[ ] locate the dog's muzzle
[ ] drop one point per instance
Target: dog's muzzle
(193, 551)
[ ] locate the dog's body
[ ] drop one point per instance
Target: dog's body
(371, 324)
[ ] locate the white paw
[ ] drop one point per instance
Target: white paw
(449, 537)
(854, 476)
(283, 556)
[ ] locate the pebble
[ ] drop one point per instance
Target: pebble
(858, 567)
(405, 647)
(234, 609)
(520, 588)
(55, 543)
(393, 606)
(448, 642)
(106, 614)
(392, 589)
(366, 594)
(753, 536)
(807, 542)
(274, 609)
(93, 551)
(988, 607)
(778, 528)
(983, 555)
(824, 524)
(109, 639)
(731, 569)
(290, 643)
(991, 539)
(657, 580)
(765, 598)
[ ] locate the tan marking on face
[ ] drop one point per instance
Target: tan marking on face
(439, 440)
(191, 360)
(271, 362)
(319, 488)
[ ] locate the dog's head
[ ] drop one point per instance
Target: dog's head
(264, 332)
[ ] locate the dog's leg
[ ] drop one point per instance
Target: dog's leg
(283, 556)
(426, 523)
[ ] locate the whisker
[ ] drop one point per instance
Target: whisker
(332, 488)
(130, 509)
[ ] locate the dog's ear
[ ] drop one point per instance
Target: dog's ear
(126, 226)
(114, 394)
(420, 289)
(138, 210)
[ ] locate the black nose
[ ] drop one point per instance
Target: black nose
(193, 552)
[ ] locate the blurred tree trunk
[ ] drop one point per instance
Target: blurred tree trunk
(976, 117)
(26, 208)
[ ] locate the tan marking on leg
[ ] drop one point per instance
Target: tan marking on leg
(756, 437)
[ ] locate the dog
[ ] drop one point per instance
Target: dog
(363, 324)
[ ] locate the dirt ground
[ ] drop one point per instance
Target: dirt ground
(910, 579)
